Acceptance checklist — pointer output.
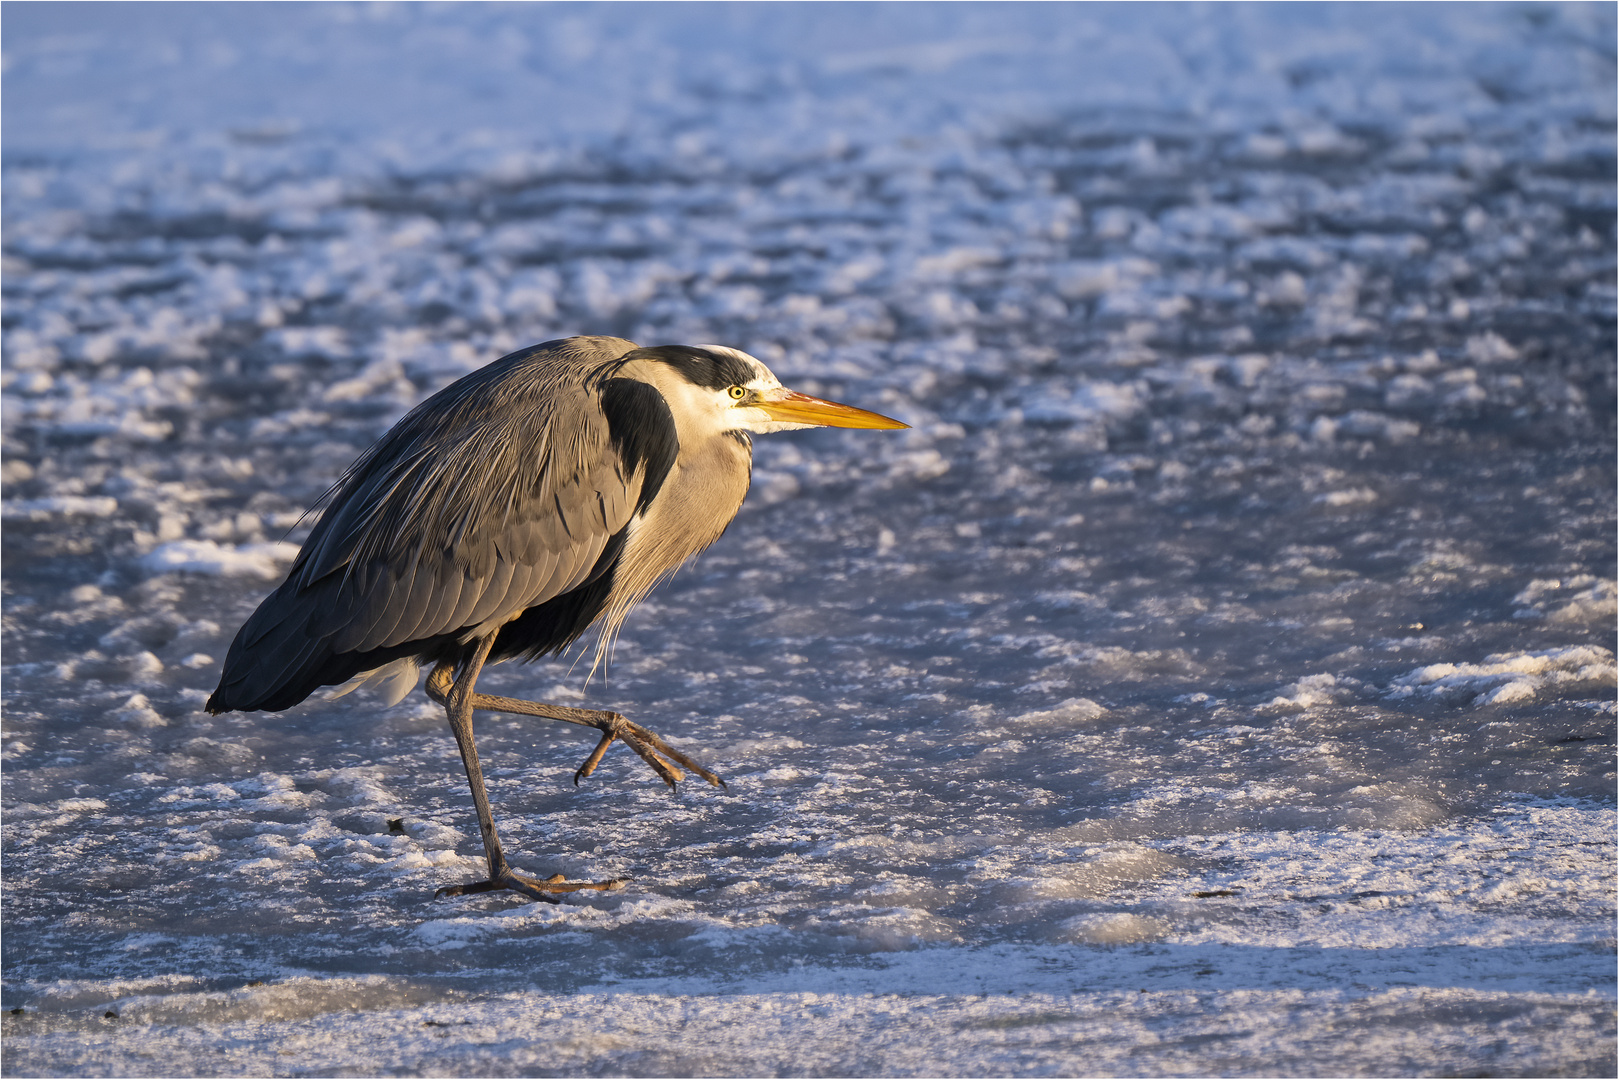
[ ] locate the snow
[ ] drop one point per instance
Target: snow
(230, 560)
(1507, 678)
(1218, 678)
(60, 505)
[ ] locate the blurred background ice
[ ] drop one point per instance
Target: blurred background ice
(1218, 677)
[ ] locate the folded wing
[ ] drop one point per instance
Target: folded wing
(507, 492)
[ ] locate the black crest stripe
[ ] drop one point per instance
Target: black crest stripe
(700, 367)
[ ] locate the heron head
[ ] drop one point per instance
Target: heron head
(732, 391)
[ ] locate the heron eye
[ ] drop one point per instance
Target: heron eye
(737, 393)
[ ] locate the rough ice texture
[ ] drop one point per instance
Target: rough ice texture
(1218, 678)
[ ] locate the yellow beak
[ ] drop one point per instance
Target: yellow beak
(794, 408)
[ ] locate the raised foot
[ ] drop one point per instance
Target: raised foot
(533, 888)
(663, 758)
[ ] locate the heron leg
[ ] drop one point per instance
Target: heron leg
(458, 699)
(664, 759)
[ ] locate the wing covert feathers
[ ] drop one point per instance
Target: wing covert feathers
(506, 491)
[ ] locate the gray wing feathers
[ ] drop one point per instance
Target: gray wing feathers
(479, 504)
(370, 605)
(496, 594)
(415, 596)
(447, 591)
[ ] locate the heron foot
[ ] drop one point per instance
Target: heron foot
(533, 888)
(664, 759)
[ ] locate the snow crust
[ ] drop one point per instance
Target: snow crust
(1217, 678)
(229, 560)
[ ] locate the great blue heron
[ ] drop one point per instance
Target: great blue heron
(501, 518)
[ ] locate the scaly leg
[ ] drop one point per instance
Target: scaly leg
(457, 697)
(663, 758)
(653, 750)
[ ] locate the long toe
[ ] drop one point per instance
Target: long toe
(653, 742)
(548, 890)
(664, 759)
(666, 772)
(595, 757)
(472, 888)
(556, 883)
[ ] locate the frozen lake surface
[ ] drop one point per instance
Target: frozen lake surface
(1217, 679)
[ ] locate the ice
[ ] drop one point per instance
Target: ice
(1217, 678)
(229, 560)
(1580, 599)
(1512, 678)
(59, 506)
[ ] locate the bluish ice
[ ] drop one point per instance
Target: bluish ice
(1218, 678)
